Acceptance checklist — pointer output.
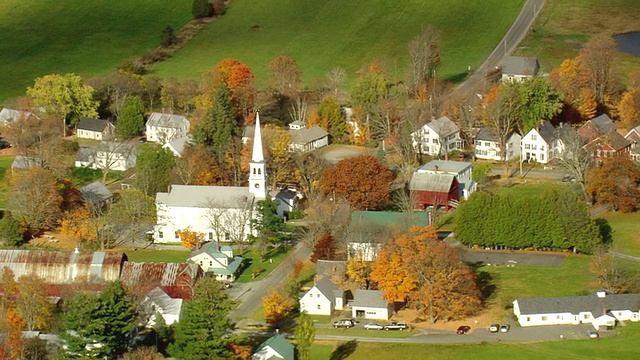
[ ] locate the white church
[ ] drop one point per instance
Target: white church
(221, 213)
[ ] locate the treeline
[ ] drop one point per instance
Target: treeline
(552, 219)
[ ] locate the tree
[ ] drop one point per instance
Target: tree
(115, 89)
(325, 249)
(429, 273)
(34, 199)
(219, 7)
(305, 334)
(65, 96)
(131, 118)
(611, 277)
(362, 180)
(107, 319)
(201, 9)
(129, 218)
(628, 109)
(204, 329)
(277, 307)
(538, 101)
(270, 227)
(425, 58)
(284, 75)
(238, 78)
(368, 91)
(578, 157)
(33, 303)
(197, 166)
(336, 79)
(276, 142)
(330, 113)
(359, 271)
(168, 37)
(153, 168)
(502, 116)
(596, 66)
(190, 239)
(34, 136)
(82, 223)
(11, 233)
(112, 154)
(308, 170)
(615, 181)
(218, 126)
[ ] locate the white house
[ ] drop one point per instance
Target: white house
(9, 116)
(217, 261)
(158, 302)
(323, 298)
(600, 309)
(487, 145)
(222, 213)
(303, 139)
(370, 304)
(177, 146)
(542, 144)
(287, 201)
(110, 155)
(519, 68)
(275, 347)
(162, 128)
(94, 129)
(634, 138)
(439, 137)
(462, 171)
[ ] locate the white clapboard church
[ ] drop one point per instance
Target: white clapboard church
(221, 213)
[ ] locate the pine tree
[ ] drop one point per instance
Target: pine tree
(201, 8)
(305, 334)
(131, 119)
(219, 125)
(11, 233)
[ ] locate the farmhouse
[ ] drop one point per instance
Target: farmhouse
(275, 347)
(163, 128)
(600, 309)
(519, 69)
(217, 261)
(157, 302)
(370, 304)
(439, 137)
(543, 143)
(487, 145)
(303, 139)
(177, 146)
(435, 190)
(602, 134)
(323, 298)
(462, 171)
(94, 129)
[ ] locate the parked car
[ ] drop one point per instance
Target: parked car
(396, 326)
(463, 330)
(504, 328)
(593, 335)
(345, 323)
(373, 326)
(494, 328)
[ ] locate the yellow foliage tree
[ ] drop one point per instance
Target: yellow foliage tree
(190, 238)
(33, 304)
(629, 108)
(586, 104)
(80, 224)
(358, 270)
(277, 307)
(276, 141)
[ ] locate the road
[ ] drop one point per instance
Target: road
(249, 295)
(505, 47)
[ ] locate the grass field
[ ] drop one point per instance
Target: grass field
(321, 35)
(5, 166)
(84, 37)
(622, 346)
(625, 232)
(147, 255)
(252, 260)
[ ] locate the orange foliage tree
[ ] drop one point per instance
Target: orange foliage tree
(80, 223)
(429, 274)
(325, 249)
(615, 181)
(285, 75)
(190, 238)
(237, 77)
(277, 307)
(362, 180)
(197, 166)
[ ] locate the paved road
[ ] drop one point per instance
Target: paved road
(505, 47)
(250, 294)
(625, 256)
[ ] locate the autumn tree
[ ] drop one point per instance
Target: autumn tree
(197, 166)
(36, 136)
(362, 180)
(424, 56)
(326, 215)
(277, 307)
(238, 78)
(369, 90)
(285, 75)
(326, 248)
(219, 125)
(65, 96)
(615, 181)
(131, 118)
(578, 157)
(330, 113)
(359, 271)
(502, 116)
(129, 218)
(32, 303)
(429, 274)
(628, 109)
(34, 199)
(276, 143)
(538, 101)
(596, 66)
(114, 90)
(81, 223)
(611, 276)
(308, 170)
(190, 238)
(304, 334)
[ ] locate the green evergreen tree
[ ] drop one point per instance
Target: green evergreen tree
(201, 8)
(203, 331)
(131, 118)
(218, 126)
(107, 319)
(153, 168)
(330, 110)
(305, 334)
(168, 37)
(270, 227)
(11, 233)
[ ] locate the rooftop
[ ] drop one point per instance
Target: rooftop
(389, 218)
(519, 65)
(440, 182)
(447, 166)
(305, 136)
(369, 298)
(90, 124)
(167, 120)
(443, 126)
(230, 197)
(577, 304)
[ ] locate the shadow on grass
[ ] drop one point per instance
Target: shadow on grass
(485, 280)
(457, 78)
(344, 350)
(605, 230)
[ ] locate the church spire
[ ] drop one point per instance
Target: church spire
(258, 156)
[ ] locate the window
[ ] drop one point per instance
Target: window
(534, 147)
(318, 307)
(254, 171)
(542, 157)
(487, 144)
(527, 146)
(534, 137)
(541, 147)
(210, 236)
(543, 318)
(435, 141)
(585, 316)
(528, 318)
(160, 234)
(559, 317)
(176, 235)
(210, 263)
(259, 171)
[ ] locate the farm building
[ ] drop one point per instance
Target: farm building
(370, 304)
(175, 279)
(428, 189)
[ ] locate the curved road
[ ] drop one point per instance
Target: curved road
(505, 47)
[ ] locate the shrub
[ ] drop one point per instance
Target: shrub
(219, 7)
(168, 37)
(201, 9)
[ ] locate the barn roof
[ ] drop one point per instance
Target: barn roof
(64, 267)
(171, 277)
(440, 182)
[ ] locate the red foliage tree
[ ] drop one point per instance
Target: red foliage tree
(362, 180)
(615, 181)
(325, 249)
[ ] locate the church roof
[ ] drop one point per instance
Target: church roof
(258, 155)
(201, 196)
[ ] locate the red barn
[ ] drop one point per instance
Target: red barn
(429, 189)
(601, 133)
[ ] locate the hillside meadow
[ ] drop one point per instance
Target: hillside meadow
(321, 35)
(85, 37)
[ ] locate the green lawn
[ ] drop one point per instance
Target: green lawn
(252, 260)
(82, 176)
(321, 35)
(625, 234)
(85, 37)
(5, 167)
(622, 346)
(146, 255)
(369, 333)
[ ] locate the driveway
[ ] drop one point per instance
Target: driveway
(500, 258)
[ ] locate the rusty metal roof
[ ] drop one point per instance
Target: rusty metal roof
(160, 274)
(64, 267)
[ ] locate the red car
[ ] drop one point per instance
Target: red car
(463, 330)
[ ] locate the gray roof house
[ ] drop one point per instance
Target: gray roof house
(275, 347)
(95, 129)
(600, 309)
(303, 139)
(323, 298)
(370, 304)
(8, 116)
(158, 302)
(217, 261)
(177, 146)
(519, 68)
(438, 137)
(96, 194)
(162, 128)
(463, 172)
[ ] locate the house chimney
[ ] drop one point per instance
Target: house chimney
(77, 250)
(169, 188)
(435, 168)
(601, 294)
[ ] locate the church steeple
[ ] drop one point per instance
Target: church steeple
(257, 166)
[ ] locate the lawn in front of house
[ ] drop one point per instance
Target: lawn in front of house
(149, 255)
(252, 261)
(624, 232)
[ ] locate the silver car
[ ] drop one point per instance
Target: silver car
(373, 326)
